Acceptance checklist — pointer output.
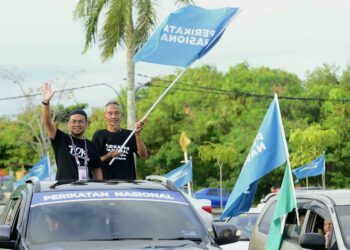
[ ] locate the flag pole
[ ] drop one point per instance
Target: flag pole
(151, 109)
(288, 161)
(49, 164)
(324, 172)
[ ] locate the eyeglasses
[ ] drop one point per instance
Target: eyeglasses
(79, 122)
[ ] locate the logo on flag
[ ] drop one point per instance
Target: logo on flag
(41, 169)
(181, 175)
(185, 36)
(267, 153)
(314, 168)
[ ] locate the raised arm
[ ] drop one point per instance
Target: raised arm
(46, 95)
(141, 147)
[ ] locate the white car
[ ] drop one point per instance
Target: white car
(204, 209)
(245, 223)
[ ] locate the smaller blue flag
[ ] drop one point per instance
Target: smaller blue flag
(41, 169)
(181, 175)
(185, 36)
(314, 168)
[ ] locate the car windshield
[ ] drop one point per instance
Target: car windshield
(245, 223)
(343, 214)
(105, 215)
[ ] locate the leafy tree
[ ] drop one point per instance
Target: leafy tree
(221, 153)
(119, 29)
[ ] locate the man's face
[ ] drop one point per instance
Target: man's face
(113, 115)
(77, 125)
(327, 226)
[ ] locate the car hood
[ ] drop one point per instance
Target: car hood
(124, 244)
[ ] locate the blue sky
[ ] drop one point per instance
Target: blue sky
(41, 41)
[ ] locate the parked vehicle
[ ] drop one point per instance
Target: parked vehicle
(105, 215)
(213, 194)
(245, 223)
(317, 207)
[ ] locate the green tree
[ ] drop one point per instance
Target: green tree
(221, 153)
(119, 29)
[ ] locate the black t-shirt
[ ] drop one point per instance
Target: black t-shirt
(67, 168)
(123, 166)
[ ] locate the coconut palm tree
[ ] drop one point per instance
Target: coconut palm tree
(119, 30)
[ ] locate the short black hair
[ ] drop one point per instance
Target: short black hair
(77, 112)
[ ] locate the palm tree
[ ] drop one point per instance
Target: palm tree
(119, 30)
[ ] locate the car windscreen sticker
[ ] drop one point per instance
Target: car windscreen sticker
(135, 194)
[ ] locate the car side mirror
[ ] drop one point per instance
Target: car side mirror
(225, 233)
(312, 241)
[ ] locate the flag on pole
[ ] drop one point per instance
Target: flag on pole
(185, 36)
(184, 141)
(181, 175)
(314, 168)
(286, 203)
(267, 153)
(41, 169)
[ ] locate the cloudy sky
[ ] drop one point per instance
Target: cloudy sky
(40, 41)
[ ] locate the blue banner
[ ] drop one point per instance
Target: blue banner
(314, 168)
(182, 175)
(45, 198)
(41, 169)
(267, 153)
(185, 36)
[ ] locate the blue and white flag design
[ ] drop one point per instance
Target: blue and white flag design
(185, 36)
(314, 168)
(267, 153)
(181, 175)
(41, 169)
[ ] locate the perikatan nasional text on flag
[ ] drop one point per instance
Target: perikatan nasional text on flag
(185, 36)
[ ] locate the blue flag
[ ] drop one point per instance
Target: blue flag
(269, 151)
(314, 168)
(181, 175)
(185, 36)
(41, 169)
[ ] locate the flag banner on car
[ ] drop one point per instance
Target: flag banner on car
(41, 169)
(185, 36)
(314, 168)
(269, 151)
(286, 202)
(181, 175)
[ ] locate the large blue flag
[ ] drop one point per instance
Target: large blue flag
(41, 169)
(314, 168)
(267, 153)
(185, 36)
(182, 175)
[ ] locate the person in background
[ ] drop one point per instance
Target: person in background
(109, 141)
(76, 156)
(327, 228)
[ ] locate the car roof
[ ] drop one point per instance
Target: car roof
(52, 186)
(336, 196)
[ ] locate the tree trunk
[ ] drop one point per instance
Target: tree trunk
(130, 51)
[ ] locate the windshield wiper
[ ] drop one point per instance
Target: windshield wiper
(112, 239)
(197, 239)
